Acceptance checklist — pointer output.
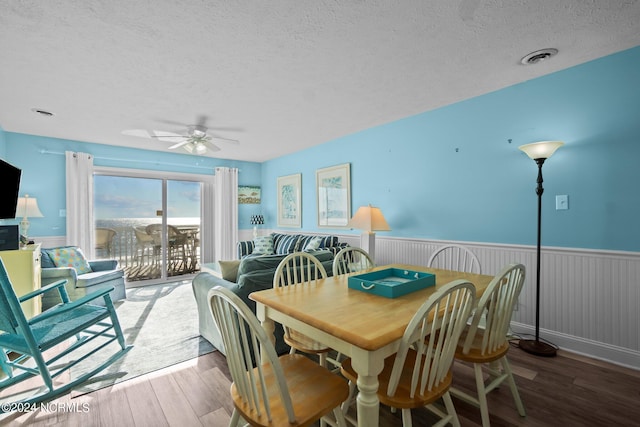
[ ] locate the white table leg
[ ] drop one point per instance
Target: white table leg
(368, 367)
(269, 327)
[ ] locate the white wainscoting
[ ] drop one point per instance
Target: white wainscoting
(589, 300)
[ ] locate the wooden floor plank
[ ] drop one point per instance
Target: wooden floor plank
(175, 405)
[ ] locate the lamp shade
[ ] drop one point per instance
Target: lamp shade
(542, 149)
(369, 218)
(28, 207)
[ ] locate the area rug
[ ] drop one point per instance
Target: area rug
(161, 322)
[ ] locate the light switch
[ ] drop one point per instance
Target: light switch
(562, 202)
(63, 212)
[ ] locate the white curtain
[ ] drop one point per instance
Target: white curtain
(80, 201)
(207, 229)
(226, 213)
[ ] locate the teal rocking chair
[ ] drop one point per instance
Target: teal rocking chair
(62, 332)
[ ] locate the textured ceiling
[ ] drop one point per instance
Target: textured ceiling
(279, 76)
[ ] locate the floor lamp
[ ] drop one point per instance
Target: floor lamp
(539, 152)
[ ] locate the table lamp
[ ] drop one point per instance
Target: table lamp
(539, 152)
(369, 219)
(255, 221)
(27, 207)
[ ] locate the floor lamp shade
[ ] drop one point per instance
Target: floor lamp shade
(539, 152)
(369, 219)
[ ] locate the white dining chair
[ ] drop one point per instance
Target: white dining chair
(455, 257)
(290, 390)
(419, 374)
(300, 269)
(351, 260)
(484, 341)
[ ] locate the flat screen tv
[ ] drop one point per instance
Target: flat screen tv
(9, 187)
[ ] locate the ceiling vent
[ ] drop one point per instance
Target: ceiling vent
(538, 56)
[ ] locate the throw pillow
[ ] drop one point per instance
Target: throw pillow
(70, 256)
(313, 244)
(229, 270)
(287, 245)
(263, 245)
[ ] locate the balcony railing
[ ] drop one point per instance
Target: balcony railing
(140, 253)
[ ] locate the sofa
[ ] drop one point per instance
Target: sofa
(83, 276)
(254, 272)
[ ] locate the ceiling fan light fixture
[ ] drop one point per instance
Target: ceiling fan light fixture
(200, 148)
(188, 147)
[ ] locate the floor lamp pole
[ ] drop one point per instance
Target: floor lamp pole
(536, 346)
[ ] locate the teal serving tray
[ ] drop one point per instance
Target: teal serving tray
(392, 282)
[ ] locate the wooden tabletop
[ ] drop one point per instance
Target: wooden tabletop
(361, 319)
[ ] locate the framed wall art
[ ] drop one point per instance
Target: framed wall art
(249, 194)
(333, 192)
(290, 201)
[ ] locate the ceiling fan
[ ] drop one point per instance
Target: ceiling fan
(196, 138)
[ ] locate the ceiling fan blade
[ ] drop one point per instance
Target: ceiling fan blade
(179, 144)
(229, 140)
(141, 133)
(212, 146)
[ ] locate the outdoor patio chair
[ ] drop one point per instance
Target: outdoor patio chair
(104, 240)
(51, 343)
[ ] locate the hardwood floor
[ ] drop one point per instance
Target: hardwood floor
(568, 390)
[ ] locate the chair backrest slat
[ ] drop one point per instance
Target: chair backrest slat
(351, 260)
(431, 336)
(245, 342)
(297, 268)
(495, 309)
(457, 258)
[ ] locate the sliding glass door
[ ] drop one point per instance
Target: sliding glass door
(150, 225)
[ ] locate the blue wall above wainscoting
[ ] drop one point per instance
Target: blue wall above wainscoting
(43, 172)
(452, 173)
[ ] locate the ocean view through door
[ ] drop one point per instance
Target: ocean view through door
(150, 225)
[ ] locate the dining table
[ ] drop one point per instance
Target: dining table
(364, 326)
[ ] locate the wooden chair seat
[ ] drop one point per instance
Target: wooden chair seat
(303, 343)
(476, 354)
(313, 389)
(402, 397)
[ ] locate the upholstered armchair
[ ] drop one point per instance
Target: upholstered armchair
(83, 276)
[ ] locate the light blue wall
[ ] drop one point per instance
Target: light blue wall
(43, 175)
(451, 173)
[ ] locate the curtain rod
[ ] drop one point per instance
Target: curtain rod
(210, 168)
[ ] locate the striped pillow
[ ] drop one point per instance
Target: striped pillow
(286, 245)
(328, 242)
(245, 248)
(303, 241)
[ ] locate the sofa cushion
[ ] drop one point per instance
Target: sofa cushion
(312, 244)
(245, 248)
(229, 270)
(285, 244)
(97, 277)
(69, 256)
(263, 245)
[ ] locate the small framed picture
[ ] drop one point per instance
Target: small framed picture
(248, 194)
(290, 201)
(333, 192)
